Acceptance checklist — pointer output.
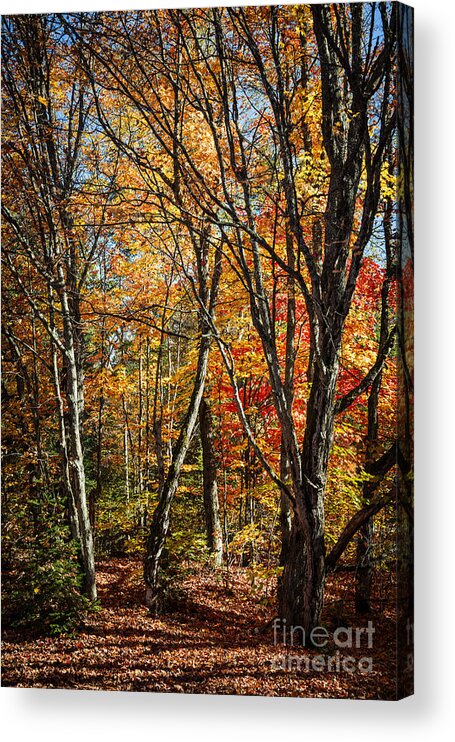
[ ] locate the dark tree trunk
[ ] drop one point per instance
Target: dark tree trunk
(302, 584)
(364, 573)
(285, 505)
(303, 580)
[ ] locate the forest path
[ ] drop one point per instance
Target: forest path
(206, 644)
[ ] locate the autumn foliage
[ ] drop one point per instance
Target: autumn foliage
(202, 319)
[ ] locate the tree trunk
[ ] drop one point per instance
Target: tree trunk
(95, 493)
(301, 594)
(77, 472)
(302, 585)
(285, 505)
(161, 517)
(75, 400)
(67, 486)
(160, 523)
(210, 486)
(364, 573)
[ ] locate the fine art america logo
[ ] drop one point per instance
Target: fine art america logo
(343, 638)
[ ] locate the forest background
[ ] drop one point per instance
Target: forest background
(200, 315)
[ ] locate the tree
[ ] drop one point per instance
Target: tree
(210, 484)
(356, 82)
(42, 154)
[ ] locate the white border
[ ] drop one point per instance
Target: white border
(85, 716)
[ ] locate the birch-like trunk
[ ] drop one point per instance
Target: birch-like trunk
(75, 401)
(210, 485)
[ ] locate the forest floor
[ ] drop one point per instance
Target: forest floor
(207, 643)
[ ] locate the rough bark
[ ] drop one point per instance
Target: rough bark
(303, 579)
